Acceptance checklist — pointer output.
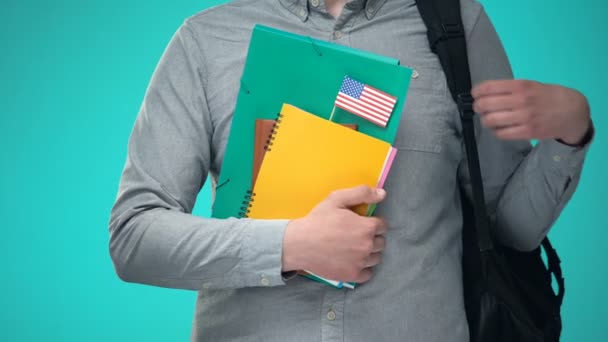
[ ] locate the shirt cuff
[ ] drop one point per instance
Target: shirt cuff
(287, 276)
(562, 159)
(263, 252)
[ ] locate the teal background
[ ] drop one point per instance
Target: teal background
(72, 77)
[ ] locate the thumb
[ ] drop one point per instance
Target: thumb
(351, 197)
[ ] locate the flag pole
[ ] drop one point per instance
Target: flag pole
(331, 116)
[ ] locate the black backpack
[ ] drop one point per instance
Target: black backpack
(508, 294)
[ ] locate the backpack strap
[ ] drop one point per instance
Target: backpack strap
(554, 267)
(447, 39)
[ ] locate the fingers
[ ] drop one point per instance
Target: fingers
(523, 130)
(364, 276)
(366, 273)
(379, 224)
(512, 108)
(379, 244)
(501, 87)
(373, 260)
(504, 119)
(347, 198)
(495, 103)
(520, 132)
(374, 225)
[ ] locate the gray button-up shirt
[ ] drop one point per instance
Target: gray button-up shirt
(180, 137)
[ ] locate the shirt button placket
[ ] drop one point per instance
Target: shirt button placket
(332, 319)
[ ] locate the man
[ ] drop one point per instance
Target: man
(408, 258)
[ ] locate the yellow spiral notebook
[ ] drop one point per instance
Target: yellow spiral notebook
(307, 158)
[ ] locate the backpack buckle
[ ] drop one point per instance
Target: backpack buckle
(444, 32)
(452, 30)
(465, 106)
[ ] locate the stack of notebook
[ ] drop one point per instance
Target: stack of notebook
(282, 67)
(302, 158)
(307, 158)
(284, 164)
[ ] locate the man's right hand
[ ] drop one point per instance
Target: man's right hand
(334, 242)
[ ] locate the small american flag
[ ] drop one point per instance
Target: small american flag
(365, 101)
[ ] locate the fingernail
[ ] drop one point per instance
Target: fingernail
(380, 192)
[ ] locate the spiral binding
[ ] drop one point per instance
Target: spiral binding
(249, 194)
(273, 132)
(246, 204)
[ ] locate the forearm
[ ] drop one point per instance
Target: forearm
(536, 193)
(169, 248)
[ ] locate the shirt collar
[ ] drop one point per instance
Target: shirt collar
(301, 8)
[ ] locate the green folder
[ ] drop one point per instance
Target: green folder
(282, 67)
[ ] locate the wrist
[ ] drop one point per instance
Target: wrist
(579, 138)
(291, 259)
(579, 130)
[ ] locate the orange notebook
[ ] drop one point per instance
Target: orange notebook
(307, 158)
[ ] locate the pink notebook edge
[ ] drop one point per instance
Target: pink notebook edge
(388, 163)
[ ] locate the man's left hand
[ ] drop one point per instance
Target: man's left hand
(524, 110)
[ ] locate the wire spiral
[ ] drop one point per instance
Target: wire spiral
(246, 204)
(273, 132)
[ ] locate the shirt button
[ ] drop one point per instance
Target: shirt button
(338, 34)
(302, 12)
(557, 159)
(331, 315)
(314, 3)
(370, 10)
(264, 281)
(415, 74)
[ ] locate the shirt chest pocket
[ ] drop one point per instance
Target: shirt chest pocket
(428, 146)
(427, 121)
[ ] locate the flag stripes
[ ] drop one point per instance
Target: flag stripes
(365, 101)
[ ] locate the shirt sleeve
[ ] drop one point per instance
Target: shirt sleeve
(526, 186)
(154, 238)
